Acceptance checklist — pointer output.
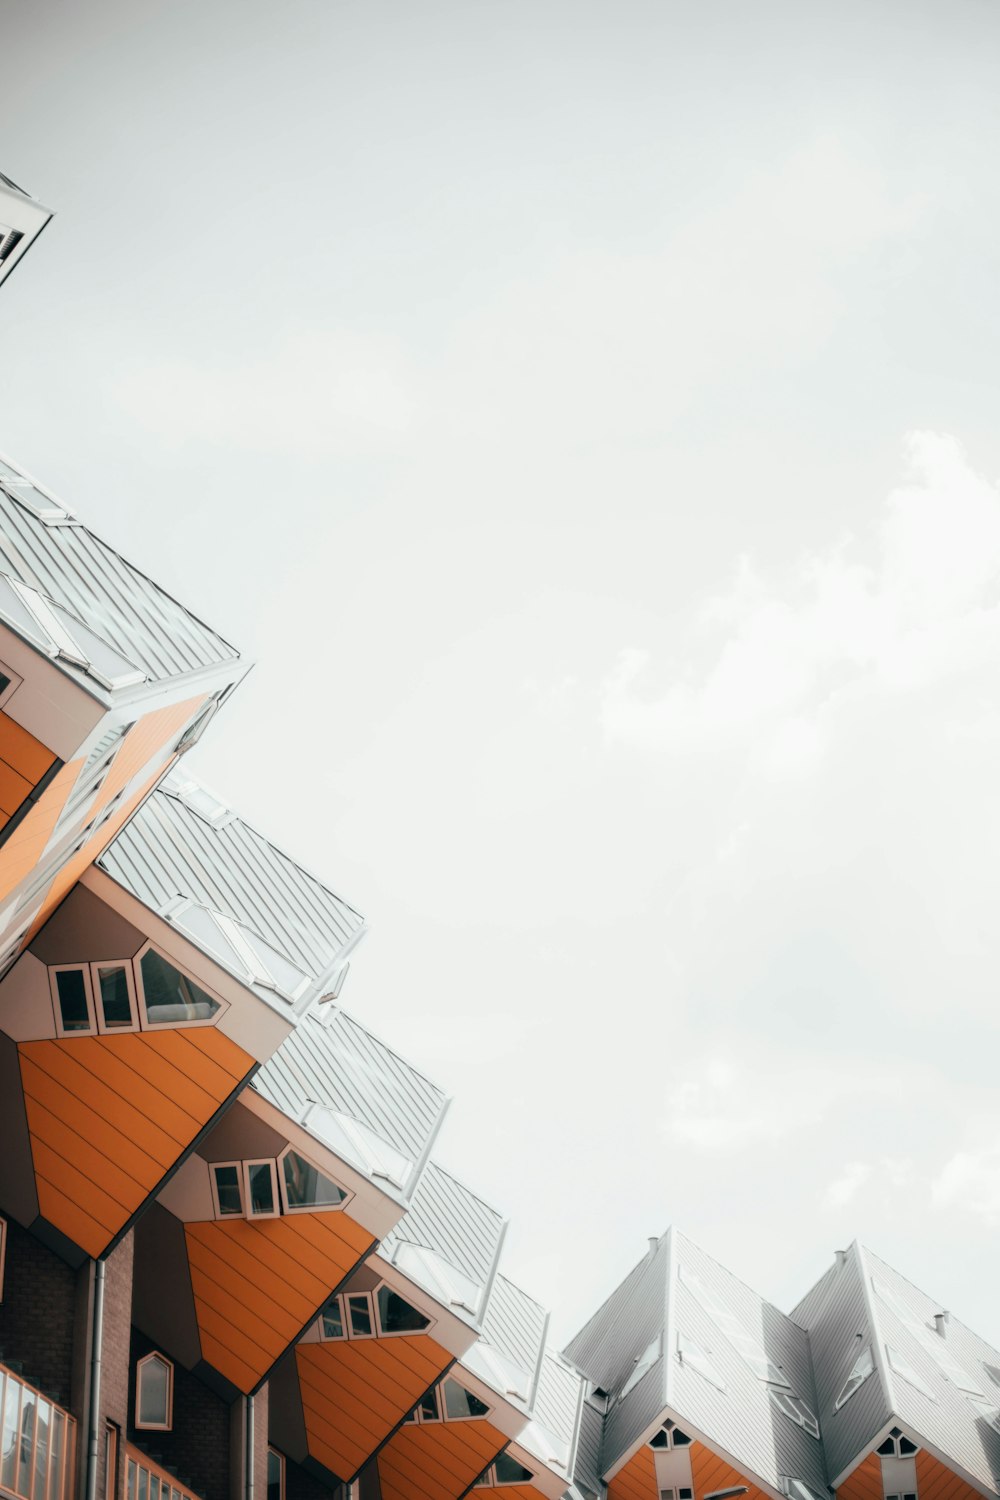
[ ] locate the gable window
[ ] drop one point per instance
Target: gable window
(795, 1408)
(505, 1470)
(227, 1189)
(366, 1315)
(154, 1392)
(305, 1187)
(275, 1475)
(171, 996)
(669, 1436)
(896, 1445)
(863, 1366)
(396, 1315)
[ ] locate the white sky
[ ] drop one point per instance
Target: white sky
(586, 415)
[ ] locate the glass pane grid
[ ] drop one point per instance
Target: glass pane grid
(36, 1439)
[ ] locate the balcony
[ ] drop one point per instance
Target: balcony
(38, 1444)
(147, 1481)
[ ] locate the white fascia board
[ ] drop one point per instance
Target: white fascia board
(370, 1207)
(166, 690)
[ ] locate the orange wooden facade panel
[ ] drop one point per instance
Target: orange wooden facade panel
(257, 1282)
(25, 755)
(517, 1492)
(437, 1460)
(637, 1480)
(109, 1115)
(354, 1392)
(935, 1481)
(22, 851)
(865, 1482)
(150, 736)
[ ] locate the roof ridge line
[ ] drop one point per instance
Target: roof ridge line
(878, 1341)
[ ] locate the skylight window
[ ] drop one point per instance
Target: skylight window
(931, 1342)
(746, 1345)
(63, 637)
(863, 1366)
(796, 1489)
(445, 1282)
(647, 1359)
(360, 1145)
(797, 1409)
(43, 507)
(498, 1370)
(240, 950)
(693, 1356)
(902, 1367)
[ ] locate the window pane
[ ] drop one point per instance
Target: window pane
(274, 1466)
(131, 1479)
(429, 1407)
(23, 1481)
(143, 1482)
(333, 1323)
(261, 1188)
(227, 1187)
(306, 1187)
(56, 1444)
(458, 1402)
(154, 1392)
(396, 1315)
(681, 1439)
(115, 1003)
(42, 1445)
(8, 1461)
(360, 1314)
(508, 1471)
(170, 995)
(72, 990)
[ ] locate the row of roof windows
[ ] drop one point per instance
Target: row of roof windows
(127, 994)
(264, 1188)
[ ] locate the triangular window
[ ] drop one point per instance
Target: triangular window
(860, 1371)
(396, 1315)
(171, 996)
(305, 1186)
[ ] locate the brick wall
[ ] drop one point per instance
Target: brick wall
(37, 1315)
(197, 1447)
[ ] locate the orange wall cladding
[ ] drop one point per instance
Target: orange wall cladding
(865, 1482)
(438, 1461)
(257, 1284)
(110, 1115)
(936, 1482)
(23, 762)
(354, 1392)
(637, 1481)
(150, 735)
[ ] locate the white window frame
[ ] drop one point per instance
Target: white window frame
(854, 1380)
(78, 968)
(670, 1446)
(400, 1333)
(309, 1208)
(238, 1165)
(442, 1405)
(167, 1426)
(15, 682)
(95, 990)
(260, 1161)
(806, 1418)
(145, 1024)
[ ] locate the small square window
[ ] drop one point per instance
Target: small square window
(73, 999)
(113, 984)
(261, 1190)
(359, 1312)
(227, 1189)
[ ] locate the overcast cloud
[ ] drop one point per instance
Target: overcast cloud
(586, 416)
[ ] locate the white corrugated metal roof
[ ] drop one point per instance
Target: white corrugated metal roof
(168, 850)
(65, 561)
